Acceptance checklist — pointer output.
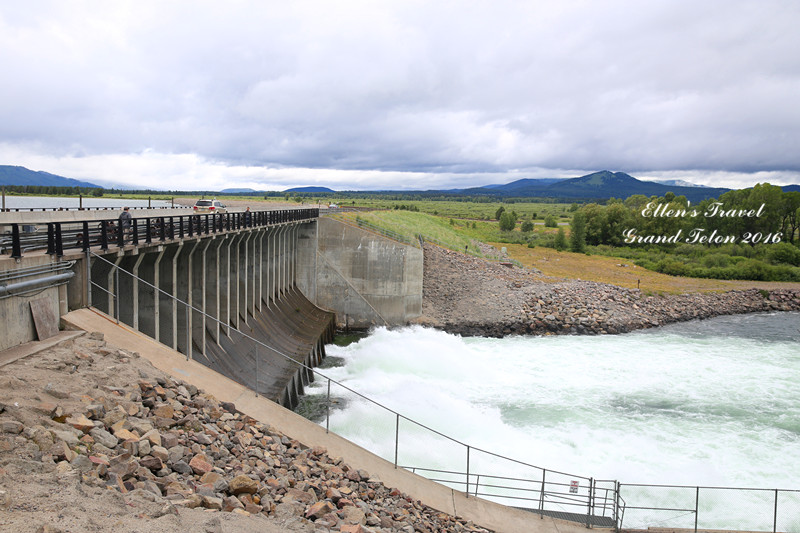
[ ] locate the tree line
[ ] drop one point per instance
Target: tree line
(741, 214)
(50, 190)
(749, 234)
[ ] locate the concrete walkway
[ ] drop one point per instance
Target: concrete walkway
(485, 513)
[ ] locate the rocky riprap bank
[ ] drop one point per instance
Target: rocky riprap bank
(107, 418)
(472, 297)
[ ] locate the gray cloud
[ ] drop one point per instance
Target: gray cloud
(473, 89)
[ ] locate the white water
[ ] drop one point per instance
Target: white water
(710, 403)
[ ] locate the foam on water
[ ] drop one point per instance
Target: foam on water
(705, 403)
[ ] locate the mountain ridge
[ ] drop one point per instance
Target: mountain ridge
(599, 185)
(17, 175)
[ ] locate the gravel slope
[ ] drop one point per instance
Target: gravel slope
(469, 296)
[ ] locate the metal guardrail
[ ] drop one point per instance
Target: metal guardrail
(543, 491)
(705, 508)
(27, 280)
(82, 235)
(594, 503)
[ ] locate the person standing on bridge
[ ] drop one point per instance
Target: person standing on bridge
(125, 221)
(248, 217)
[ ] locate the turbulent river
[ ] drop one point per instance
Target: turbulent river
(709, 403)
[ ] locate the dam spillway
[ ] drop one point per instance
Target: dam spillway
(292, 326)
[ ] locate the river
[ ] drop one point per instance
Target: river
(711, 403)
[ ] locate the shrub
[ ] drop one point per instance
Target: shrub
(716, 260)
(784, 253)
(751, 269)
(672, 267)
(560, 241)
(550, 221)
(527, 226)
(507, 221)
(547, 240)
(577, 236)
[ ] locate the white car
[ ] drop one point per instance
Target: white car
(209, 206)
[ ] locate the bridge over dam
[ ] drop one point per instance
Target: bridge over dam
(248, 294)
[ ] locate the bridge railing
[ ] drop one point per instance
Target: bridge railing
(83, 235)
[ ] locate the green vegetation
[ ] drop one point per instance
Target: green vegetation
(745, 234)
(508, 221)
(560, 241)
(577, 237)
(737, 240)
(47, 190)
(765, 245)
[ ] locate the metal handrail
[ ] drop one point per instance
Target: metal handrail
(84, 234)
(697, 509)
(398, 416)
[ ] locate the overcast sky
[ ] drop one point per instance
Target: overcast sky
(405, 94)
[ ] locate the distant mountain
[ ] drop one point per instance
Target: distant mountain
(791, 188)
(238, 191)
(525, 183)
(599, 185)
(309, 189)
(12, 175)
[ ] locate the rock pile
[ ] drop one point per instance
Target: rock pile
(469, 296)
(165, 438)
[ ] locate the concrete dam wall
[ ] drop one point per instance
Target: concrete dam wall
(366, 278)
(249, 301)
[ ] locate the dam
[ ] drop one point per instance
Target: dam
(243, 306)
(254, 296)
